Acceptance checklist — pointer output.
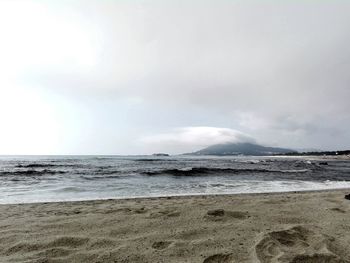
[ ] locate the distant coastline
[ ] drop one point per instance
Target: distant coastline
(318, 153)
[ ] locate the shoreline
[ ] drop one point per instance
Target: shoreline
(140, 198)
(260, 227)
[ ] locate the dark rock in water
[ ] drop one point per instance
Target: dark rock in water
(323, 163)
(216, 212)
(347, 196)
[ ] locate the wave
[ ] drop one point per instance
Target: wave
(92, 178)
(147, 160)
(198, 171)
(99, 171)
(71, 189)
(35, 165)
(294, 171)
(31, 172)
(154, 160)
(50, 165)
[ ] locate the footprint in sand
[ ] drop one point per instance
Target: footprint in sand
(219, 258)
(23, 247)
(168, 212)
(299, 244)
(216, 212)
(55, 252)
(58, 247)
(220, 214)
(102, 243)
(67, 241)
(337, 209)
(161, 244)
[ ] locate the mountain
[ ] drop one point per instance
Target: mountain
(241, 149)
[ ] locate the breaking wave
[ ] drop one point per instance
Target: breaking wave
(35, 165)
(198, 171)
(31, 172)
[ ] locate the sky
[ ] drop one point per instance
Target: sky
(138, 77)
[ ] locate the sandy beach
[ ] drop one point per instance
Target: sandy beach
(282, 227)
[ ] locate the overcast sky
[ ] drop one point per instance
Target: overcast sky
(129, 77)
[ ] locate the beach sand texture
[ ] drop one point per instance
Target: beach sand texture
(283, 227)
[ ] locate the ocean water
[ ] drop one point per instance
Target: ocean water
(67, 178)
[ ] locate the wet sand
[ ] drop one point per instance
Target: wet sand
(283, 227)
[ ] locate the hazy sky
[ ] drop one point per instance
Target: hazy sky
(127, 77)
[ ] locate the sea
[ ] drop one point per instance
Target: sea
(30, 179)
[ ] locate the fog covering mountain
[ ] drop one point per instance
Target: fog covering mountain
(241, 149)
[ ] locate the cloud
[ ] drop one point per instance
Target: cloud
(193, 138)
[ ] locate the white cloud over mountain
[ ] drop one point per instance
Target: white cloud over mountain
(193, 138)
